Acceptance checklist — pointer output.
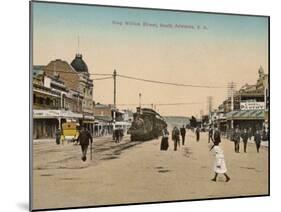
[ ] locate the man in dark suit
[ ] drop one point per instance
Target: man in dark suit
(217, 135)
(236, 138)
(84, 139)
(245, 136)
(176, 137)
(210, 135)
(183, 132)
(197, 131)
(257, 139)
(58, 136)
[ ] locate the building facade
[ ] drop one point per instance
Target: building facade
(85, 86)
(61, 93)
(250, 107)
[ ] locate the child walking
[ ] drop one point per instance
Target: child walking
(219, 163)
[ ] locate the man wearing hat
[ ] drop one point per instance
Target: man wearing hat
(84, 139)
(217, 135)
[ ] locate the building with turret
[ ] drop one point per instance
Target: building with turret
(61, 92)
(85, 83)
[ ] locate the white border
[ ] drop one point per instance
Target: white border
(15, 104)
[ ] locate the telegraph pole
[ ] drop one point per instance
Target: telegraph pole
(140, 100)
(210, 108)
(78, 44)
(114, 101)
(231, 89)
(114, 91)
(210, 103)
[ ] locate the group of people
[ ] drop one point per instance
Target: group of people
(176, 133)
(214, 136)
(246, 135)
(118, 134)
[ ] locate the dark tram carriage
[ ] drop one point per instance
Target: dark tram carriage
(147, 125)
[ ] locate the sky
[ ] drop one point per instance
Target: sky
(211, 49)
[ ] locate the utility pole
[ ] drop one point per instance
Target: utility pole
(231, 89)
(210, 103)
(114, 100)
(210, 108)
(114, 91)
(78, 44)
(140, 100)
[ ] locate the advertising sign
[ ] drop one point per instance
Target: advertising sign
(252, 105)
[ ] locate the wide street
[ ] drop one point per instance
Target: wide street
(131, 172)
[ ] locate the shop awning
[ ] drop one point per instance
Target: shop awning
(41, 114)
(103, 118)
(88, 121)
(245, 115)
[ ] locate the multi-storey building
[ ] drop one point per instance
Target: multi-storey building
(250, 104)
(61, 92)
(85, 83)
(53, 103)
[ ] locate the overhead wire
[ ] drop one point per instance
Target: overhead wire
(168, 83)
(139, 79)
(163, 104)
(102, 78)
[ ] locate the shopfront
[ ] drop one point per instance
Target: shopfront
(46, 122)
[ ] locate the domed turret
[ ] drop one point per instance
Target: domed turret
(78, 64)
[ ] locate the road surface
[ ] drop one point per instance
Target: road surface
(131, 172)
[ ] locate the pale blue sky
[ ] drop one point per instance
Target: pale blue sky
(232, 48)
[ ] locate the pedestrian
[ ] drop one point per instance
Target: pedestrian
(84, 139)
(197, 131)
(210, 135)
(121, 134)
(257, 139)
(165, 139)
(217, 135)
(219, 162)
(117, 135)
(176, 137)
(236, 139)
(250, 134)
(244, 137)
(58, 136)
(264, 136)
(183, 132)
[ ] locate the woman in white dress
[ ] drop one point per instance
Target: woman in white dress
(219, 163)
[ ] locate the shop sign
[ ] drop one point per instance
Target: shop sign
(252, 105)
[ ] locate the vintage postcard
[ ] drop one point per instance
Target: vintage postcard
(135, 105)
